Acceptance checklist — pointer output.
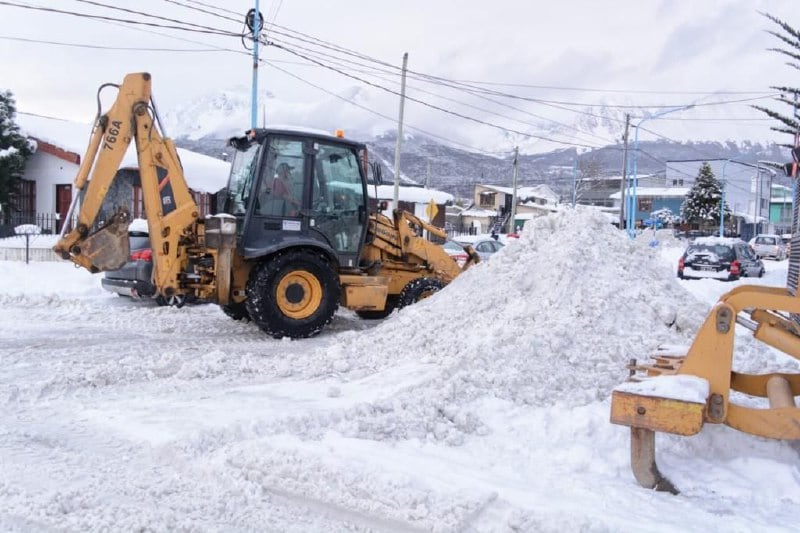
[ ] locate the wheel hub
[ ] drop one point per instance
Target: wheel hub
(299, 294)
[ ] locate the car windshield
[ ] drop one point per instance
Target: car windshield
(723, 253)
(450, 245)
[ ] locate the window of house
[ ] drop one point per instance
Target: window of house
(645, 204)
(26, 201)
(487, 199)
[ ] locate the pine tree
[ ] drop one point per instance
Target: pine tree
(789, 96)
(14, 151)
(702, 203)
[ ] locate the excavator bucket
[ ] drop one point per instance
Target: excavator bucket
(109, 247)
(678, 392)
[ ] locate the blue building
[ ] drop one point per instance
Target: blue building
(649, 199)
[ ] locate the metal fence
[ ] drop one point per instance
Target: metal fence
(49, 222)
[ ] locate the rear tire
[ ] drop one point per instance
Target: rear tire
(761, 273)
(419, 289)
(236, 311)
(391, 304)
(293, 294)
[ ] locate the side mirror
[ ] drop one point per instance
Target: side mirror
(383, 205)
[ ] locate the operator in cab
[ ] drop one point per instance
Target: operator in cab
(282, 188)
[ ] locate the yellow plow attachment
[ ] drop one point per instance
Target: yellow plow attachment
(679, 392)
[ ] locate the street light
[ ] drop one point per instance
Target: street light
(631, 218)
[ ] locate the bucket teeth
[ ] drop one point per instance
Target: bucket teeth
(643, 461)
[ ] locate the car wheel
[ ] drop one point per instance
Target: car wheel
(419, 289)
(761, 273)
(391, 304)
(293, 294)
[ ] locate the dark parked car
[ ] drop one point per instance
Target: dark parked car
(719, 258)
(135, 277)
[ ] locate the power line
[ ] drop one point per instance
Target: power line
(432, 106)
(197, 29)
(372, 111)
(427, 78)
(594, 90)
(101, 47)
(371, 71)
(453, 84)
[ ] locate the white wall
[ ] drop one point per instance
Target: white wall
(48, 171)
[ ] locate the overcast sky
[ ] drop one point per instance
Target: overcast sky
(636, 53)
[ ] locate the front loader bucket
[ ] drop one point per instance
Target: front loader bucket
(109, 247)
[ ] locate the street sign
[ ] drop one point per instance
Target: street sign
(431, 210)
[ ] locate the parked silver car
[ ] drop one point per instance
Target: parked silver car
(485, 246)
(768, 245)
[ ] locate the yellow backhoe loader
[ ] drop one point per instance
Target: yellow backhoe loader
(295, 237)
(678, 392)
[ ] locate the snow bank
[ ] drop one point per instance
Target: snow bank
(550, 320)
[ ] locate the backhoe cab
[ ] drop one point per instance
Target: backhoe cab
(295, 238)
(307, 242)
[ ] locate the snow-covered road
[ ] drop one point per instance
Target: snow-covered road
(484, 408)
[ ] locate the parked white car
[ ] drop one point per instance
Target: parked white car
(768, 245)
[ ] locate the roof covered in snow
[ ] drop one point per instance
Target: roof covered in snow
(656, 192)
(537, 191)
(203, 173)
(417, 195)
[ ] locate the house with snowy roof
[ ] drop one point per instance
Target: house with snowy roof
(420, 201)
(47, 183)
(491, 206)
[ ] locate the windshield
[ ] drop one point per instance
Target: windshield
(718, 251)
(241, 179)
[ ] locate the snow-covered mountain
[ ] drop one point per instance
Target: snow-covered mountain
(204, 124)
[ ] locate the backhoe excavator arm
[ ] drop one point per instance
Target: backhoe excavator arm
(170, 209)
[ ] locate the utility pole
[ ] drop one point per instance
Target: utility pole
(254, 21)
(511, 228)
(622, 210)
(757, 202)
(396, 197)
(428, 176)
(574, 181)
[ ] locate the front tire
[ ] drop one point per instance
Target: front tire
(419, 289)
(293, 294)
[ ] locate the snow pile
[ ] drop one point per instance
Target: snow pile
(35, 284)
(27, 229)
(550, 320)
